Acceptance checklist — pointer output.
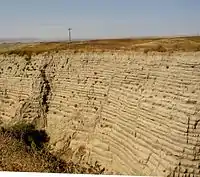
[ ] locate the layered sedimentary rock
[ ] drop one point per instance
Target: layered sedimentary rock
(133, 113)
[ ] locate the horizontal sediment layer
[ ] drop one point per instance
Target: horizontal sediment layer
(133, 113)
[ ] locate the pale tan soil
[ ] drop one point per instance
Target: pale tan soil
(133, 112)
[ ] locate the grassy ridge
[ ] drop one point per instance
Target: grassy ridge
(191, 43)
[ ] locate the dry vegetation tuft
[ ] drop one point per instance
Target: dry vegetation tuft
(23, 148)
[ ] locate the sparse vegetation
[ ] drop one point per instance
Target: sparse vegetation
(191, 43)
(24, 148)
(158, 48)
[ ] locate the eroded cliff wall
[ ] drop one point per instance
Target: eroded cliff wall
(133, 113)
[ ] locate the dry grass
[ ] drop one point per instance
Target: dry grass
(23, 148)
(191, 43)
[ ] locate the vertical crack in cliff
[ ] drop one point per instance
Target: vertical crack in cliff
(34, 109)
(188, 127)
(45, 90)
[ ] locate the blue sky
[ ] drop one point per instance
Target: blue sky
(98, 18)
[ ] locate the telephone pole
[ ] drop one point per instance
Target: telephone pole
(69, 34)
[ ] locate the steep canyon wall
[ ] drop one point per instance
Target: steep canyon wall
(134, 113)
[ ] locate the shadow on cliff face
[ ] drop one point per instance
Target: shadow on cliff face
(28, 135)
(23, 148)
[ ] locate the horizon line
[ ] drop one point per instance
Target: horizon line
(35, 39)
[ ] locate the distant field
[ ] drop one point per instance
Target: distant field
(191, 43)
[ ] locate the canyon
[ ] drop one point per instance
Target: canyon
(134, 113)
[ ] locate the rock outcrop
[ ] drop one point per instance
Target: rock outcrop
(134, 113)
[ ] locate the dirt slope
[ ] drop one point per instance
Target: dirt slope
(132, 112)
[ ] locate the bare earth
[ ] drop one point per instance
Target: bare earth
(132, 106)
